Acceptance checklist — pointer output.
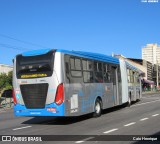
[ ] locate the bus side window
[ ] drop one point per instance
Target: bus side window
(119, 75)
(106, 73)
(72, 63)
(98, 72)
(67, 68)
(128, 75)
(88, 77)
(76, 70)
(78, 64)
(87, 71)
(67, 71)
(113, 76)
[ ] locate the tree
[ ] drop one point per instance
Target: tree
(9, 81)
(5, 81)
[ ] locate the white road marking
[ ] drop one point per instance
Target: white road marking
(155, 115)
(132, 123)
(81, 141)
(145, 103)
(143, 119)
(112, 130)
(22, 128)
(129, 124)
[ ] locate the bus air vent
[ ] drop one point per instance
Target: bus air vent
(34, 95)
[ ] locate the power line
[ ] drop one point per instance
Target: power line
(13, 47)
(26, 42)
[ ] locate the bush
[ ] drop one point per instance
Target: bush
(5, 81)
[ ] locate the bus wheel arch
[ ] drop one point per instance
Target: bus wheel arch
(97, 110)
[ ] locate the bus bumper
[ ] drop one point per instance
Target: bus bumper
(49, 110)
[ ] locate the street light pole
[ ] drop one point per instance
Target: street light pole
(157, 75)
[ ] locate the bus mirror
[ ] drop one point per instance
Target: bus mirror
(67, 68)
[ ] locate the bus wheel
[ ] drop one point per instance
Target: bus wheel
(97, 108)
(129, 101)
(138, 97)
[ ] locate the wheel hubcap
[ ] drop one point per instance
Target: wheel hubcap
(97, 108)
(129, 100)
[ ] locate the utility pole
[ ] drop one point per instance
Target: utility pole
(157, 75)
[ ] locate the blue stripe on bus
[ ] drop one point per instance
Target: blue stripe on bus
(90, 55)
(132, 67)
(36, 52)
(21, 110)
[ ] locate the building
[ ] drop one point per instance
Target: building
(140, 66)
(155, 73)
(5, 68)
(151, 53)
(145, 67)
(148, 67)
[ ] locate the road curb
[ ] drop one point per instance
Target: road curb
(150, 92)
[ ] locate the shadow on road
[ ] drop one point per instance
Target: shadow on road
(117, 108)
(69, 120)
(57, 120)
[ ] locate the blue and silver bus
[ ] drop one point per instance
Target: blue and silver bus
(54, 82)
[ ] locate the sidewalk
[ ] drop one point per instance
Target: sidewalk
(150, 92)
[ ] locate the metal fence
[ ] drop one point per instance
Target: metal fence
(6, 102)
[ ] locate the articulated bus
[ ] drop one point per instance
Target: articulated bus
(71, 83)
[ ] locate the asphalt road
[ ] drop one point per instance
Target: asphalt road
(142, 118)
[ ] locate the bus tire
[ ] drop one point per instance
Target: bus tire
(97, 108)
(138, 97)
(129, 101)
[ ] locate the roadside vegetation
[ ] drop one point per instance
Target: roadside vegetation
(5, 81)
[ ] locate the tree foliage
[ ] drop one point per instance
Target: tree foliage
(5, 81)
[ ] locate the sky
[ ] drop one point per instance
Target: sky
(102, 26)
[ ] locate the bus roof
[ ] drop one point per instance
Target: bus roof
(36, 52)
(90, 55)
(133, 67)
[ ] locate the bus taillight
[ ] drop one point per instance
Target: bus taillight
(14, 97)
(59, 94)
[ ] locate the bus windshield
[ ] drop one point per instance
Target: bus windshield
(34, 66)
